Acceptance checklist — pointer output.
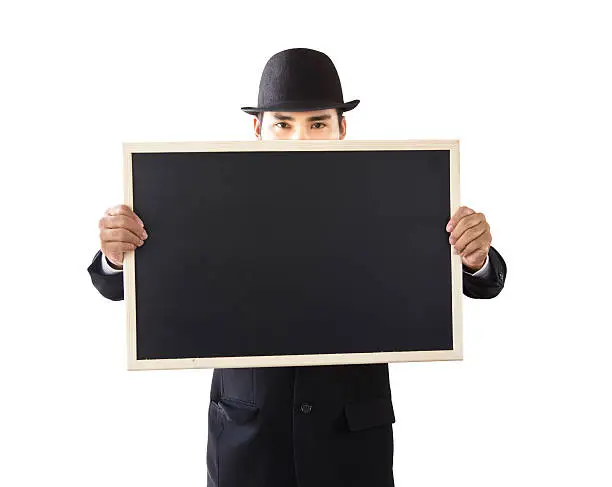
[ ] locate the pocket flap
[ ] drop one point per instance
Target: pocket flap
(237, 411)
(369, 412)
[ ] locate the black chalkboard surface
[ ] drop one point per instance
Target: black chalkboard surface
(292, 253)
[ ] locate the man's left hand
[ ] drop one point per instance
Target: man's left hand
(470, 234)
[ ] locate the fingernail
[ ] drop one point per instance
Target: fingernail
(145, 233)
(449, 227)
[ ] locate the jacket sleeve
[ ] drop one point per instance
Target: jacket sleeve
(491, 286)
(109, 285)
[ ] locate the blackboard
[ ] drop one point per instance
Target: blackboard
(275, 253)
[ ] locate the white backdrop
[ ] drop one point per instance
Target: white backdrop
(524, 85)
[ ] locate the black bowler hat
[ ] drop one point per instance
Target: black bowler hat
(299, 80)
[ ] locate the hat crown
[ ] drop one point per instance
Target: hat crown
(299, 75)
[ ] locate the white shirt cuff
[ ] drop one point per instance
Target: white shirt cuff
(482, 272)
(106, 268)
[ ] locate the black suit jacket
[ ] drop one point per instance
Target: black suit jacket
(310, 426)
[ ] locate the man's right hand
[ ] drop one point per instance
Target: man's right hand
(121, 230)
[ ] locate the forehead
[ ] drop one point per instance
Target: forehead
(301, 115)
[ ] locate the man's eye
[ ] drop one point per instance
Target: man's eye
(318, 123)
(281, 123)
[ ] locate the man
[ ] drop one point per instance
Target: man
(311, 426)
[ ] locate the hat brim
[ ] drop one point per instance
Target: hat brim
(300, 107)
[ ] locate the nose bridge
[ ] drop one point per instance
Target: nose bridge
(300, 132)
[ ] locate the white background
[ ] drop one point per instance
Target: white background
(525, 86)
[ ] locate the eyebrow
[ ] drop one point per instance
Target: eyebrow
(314, 118)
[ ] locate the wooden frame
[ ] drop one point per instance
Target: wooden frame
(292, 360)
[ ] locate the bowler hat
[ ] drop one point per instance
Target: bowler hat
(298, 80)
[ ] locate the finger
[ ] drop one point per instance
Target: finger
(479, 244)
(122, 221)
(461, 212)
(468, 235)
(465, 223)
(119, 235)
(123, 210)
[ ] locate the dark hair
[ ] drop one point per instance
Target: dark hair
(338, 111)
